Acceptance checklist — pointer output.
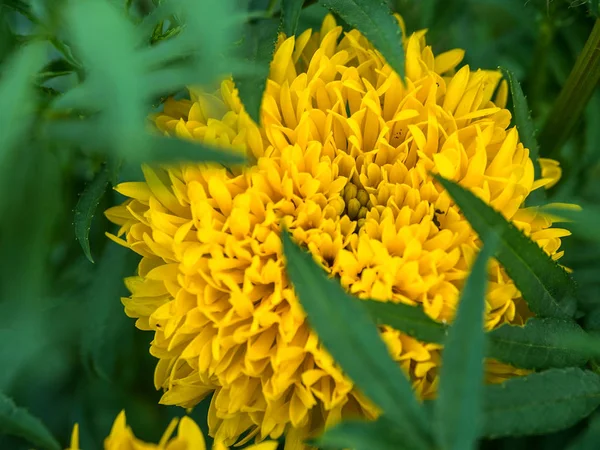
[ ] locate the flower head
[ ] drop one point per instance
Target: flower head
(189, 437)
(343, 158)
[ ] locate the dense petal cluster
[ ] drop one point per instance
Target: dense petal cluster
(343, 158)
(189, 437)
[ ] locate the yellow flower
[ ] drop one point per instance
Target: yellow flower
(189, 437)
(343, 158)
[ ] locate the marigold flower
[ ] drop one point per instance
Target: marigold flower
(343, 158)
(189, 437)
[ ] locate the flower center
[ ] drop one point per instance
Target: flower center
(356, 203)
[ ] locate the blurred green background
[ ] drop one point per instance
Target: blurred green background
(68, 353)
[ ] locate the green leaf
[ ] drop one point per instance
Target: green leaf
(411, 320)
(540, 403)
(461, 375)
(290, 15)
(86, 208)
(107, 327)
(526, 129)
(583, 222)
(257, 49)
(113, 69)
(589, 438)
(375, 20)
(159, 149)
(347, 332)
(592, 320)
(16, 421)
(22, 8)
(540, 344)
(168, 150)
(567, 110)
(56, 68)
(546, 287)
(380, 434)
(17, 95)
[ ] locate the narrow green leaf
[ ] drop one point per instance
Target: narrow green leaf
(347, 332)
(541, 344)
(290, 15)
(16, 421)
(523, 118)
(566, 113)
(375, 20)
(380, 434)
(86, 208)
(546, 287)
(257, 49)
(166, 149)
(17, 95)
(540, 403)
(461, 376)
(159, 149)
(583, 222)
(113, 69)
(411, 320)
(526, 129)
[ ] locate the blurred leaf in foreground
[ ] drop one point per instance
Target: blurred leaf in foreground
(357, 348)
(358, 435)
(376, 22)
(257, 47)
(540, 403)
(458, 405)
(17, 99)
(18, 422)
(546, 287)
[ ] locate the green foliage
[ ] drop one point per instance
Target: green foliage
(522, 116)
(290, 15)
(358, 349)
(107, 324)
(541, 344)
(583, 222)
(374, 19)
(411, 320)
(17, 90)
(540, 403)
(18, 422)
(86, 208)
(546, 287)
(523, 119)
(577, 92)
(258, 47)
(380, 434)
(589, 439)
(461, 376)
(77, 82)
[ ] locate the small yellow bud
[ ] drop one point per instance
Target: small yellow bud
(362, 196)
(353, 208)
(362, 212)
(350, 192)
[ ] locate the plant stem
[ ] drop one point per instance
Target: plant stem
(573, 98)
